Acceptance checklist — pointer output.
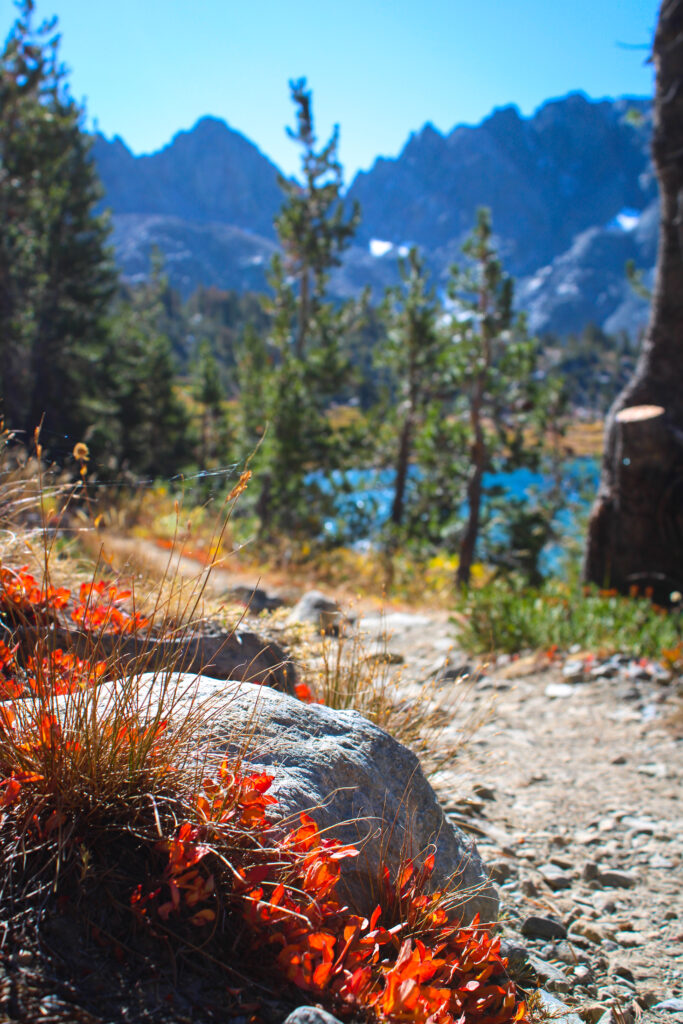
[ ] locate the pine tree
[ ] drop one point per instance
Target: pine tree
(500, 404)
(411, 351)
(309, 369)
(56, 274)
(150, 430)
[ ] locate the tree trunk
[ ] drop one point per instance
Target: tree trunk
(469, 540)
(635, 535)
(475, 483)
(402, 463)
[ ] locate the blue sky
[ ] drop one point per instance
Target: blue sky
(380, 68)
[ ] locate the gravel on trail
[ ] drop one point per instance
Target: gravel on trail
(572, 789)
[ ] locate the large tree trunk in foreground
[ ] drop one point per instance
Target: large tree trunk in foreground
(635, 536)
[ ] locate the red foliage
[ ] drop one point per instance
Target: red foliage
(424, 970)
(97, 609)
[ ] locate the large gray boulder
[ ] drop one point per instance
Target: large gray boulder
(358, 783)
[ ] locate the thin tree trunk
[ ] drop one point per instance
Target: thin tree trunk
(474, 494)
(402, 463)
(635, 536)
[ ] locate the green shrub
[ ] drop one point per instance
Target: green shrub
(503, 615)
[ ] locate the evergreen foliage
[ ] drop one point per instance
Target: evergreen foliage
(470, 400)
(411, 350)
(309, 367)
(503, 406)
(56, 274)
(150, 423)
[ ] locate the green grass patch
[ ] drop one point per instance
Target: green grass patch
(505, 616)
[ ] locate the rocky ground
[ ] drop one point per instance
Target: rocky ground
(572, 789)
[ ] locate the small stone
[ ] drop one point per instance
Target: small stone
(617, 879)
(567, 953)
(619, 759)
(321, 611)
(655, 770)
(311, 1015)
(591, 1013)
(573, 671)
(562, 862)
(583, 974)
(484, 792)
(587, 930)
(555, 877)
(554, 1009)
(630, 940)
(605, 903)
(558, 690)
(660, 863)
(558, 840)
(590, 871)
(622, 972)
(584, 837)
(543, 928)
(501, 871)
(550, 976)
(670, 1005)
(529, 889)
(384, 658)
(606, 670)
(646, 1000)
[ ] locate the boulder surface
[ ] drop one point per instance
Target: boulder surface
(357, 782)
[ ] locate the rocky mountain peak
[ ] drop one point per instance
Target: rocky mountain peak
(555, 182)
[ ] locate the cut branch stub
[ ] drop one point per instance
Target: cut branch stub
(637, 413)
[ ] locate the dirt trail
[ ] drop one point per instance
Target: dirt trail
(572, 790)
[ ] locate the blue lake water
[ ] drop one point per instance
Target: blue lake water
(364, 496)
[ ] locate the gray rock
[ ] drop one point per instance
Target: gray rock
(591, 1013)
(590, 871)
(255, 599)
(670, 1005)
(583, 974)
(617, 879)
(558, 690)
(555, 877)
(355, 780)
(543, 928)
(555, 1010)
(311, 1015)
(321, 611)
(574, 671)
(550, 976)
(502, 871)
(220, 654)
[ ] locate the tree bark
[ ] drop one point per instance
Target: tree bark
(635, 535)
(402, 463)
(474, 495)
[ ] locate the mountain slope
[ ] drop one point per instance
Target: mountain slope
(571, 190)
(208, 174)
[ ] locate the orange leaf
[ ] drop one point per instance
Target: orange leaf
(203, 917)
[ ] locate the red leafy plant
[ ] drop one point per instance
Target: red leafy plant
(424, 968)
(98, 607)
(80, 757)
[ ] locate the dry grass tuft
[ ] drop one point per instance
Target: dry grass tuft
(350, 672)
